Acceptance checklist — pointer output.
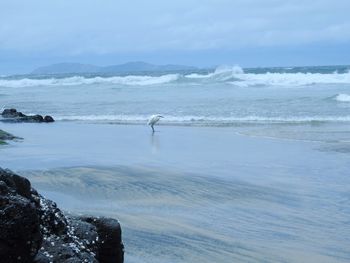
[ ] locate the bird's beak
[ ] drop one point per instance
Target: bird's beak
(161, 117)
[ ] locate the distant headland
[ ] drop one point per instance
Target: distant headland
(67, 68)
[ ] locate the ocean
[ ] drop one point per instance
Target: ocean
(248, 165)
(221, 97)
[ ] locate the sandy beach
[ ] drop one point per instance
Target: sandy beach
(194, 194)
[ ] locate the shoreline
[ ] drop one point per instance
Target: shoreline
(100, 142)
(194, 194)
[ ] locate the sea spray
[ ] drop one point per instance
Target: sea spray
(342, 98)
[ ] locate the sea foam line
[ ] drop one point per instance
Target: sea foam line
(79, 80)
(342, 97)
(201, 120)
(231, 75)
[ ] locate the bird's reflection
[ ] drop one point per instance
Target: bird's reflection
(155, 143)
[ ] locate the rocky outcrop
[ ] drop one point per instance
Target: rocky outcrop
(20, 236)
(12, 115)
(34, 229)
(109, 231)
(4, 136)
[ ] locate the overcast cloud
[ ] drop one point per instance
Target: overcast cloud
(202, 33)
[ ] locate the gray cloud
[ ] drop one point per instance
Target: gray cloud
(107, 26)
(72, 28)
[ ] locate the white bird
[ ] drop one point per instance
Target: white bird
(153, 120)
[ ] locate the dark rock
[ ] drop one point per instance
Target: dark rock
(20, 236)
(58, 250)
(85, 231)
(35, 118)
(48, 119)
(12, 115)
(16, 183)
(110, 245)
(53, 221)
(34, 229)
(4, 136)
(3, 188)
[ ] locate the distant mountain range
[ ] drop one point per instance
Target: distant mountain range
(67, 68)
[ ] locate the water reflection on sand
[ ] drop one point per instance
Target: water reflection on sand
(170, 216)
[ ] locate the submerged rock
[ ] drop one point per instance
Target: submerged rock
(4, 136)
(34, 229)
(12, 115)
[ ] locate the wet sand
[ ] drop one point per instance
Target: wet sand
(190, 194)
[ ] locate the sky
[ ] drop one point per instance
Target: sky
(203, 33)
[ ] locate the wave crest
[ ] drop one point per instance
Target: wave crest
(79, 80)
(223, 74)
(293, 79)
(342, 97)
(236, 76)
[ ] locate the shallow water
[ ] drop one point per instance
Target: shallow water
(196, 194)
(170, 216)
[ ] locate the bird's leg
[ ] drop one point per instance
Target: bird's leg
(152, 128)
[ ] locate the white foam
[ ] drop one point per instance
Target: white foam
(202, 120)
(221, 73)
(236, 76)
(233, 75)
(105, 118)
(342, 98)
(292, 79)
(78, 80)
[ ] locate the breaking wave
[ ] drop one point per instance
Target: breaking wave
(79, 80)
(200, 120)
(292, 79)
(222, 73)
(342, 98)
(230, 75)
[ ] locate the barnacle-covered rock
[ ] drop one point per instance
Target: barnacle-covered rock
(34, 229)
